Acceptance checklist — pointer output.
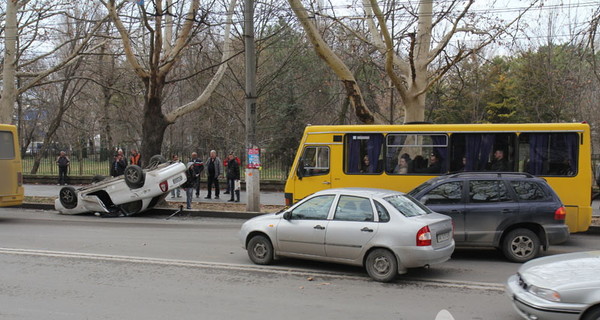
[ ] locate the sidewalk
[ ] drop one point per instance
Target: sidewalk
(266, 197)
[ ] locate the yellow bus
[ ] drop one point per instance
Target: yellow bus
(11, 169)
(376, 156)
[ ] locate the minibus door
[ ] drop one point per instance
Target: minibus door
(312, 172)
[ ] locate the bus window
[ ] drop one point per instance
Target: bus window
(7, 146)
(549, 154)
(364, 153)
(482, 151)
(314, 162)
(11, 188)
(416, 153)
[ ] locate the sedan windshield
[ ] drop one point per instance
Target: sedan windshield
(408, 206)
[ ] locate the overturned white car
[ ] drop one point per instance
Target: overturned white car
(135, 191)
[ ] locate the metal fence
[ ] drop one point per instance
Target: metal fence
(272, 167)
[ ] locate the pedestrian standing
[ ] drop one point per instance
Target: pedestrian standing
(213, 167)
(189, 184)
(198, 167)
(233, 177)
(135, 158)
(117, 167)
(177, 191)
(63, 168)
(225, 163)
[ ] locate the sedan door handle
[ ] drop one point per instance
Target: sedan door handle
(319, 227)
(326, 182)
(365, 229)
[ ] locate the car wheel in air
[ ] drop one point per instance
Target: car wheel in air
(521, 245)
(592, 314)
(156, 160)
(381, 265)
(134, 176)
(260, 250)
(68, 197)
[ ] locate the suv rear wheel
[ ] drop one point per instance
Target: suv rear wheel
(520, 245)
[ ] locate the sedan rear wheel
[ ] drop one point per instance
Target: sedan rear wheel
(521, 245)
(260, 250)
(381, 265)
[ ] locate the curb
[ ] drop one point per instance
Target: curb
(166, 212)
(593, 229)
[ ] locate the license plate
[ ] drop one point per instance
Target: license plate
(443, 237)
(177, 179)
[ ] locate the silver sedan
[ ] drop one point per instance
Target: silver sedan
(382, 230)
(562, 287)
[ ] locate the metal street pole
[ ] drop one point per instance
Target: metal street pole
(252, 173)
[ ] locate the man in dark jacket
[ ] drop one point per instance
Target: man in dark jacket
(63, 167)
(213, 171)
(198, 167)
(118, 165)
(233, 177)
(190, 184)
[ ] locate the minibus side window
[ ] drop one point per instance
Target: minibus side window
(411, 153)
(549, 154)
(364, 153)
(314, 162)
(483, 152)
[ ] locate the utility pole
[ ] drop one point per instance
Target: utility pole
(9, 91)
(252, 173)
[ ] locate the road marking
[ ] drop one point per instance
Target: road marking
(473, 285)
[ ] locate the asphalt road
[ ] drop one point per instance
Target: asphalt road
(84, 267)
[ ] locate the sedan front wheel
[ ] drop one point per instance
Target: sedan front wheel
(260, 250)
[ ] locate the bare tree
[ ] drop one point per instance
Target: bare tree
(12, 54)
(426, 38)
(155, 59)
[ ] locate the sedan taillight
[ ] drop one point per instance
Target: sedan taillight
(424, 237)
(560, 213)
(164, 186)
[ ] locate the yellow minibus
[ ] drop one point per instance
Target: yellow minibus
(11, 169)
(400, 157)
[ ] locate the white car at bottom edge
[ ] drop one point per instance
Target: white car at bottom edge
(135, 191)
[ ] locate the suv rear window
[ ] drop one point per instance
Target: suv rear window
(528, 190)
(488, 191)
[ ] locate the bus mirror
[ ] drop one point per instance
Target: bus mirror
(300, 170)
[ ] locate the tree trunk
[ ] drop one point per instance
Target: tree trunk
(153, 129)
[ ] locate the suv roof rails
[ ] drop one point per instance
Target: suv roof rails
(491, 173)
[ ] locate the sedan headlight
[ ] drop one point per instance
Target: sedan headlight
(544, 293)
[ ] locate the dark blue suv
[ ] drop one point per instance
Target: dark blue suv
(515, 212)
